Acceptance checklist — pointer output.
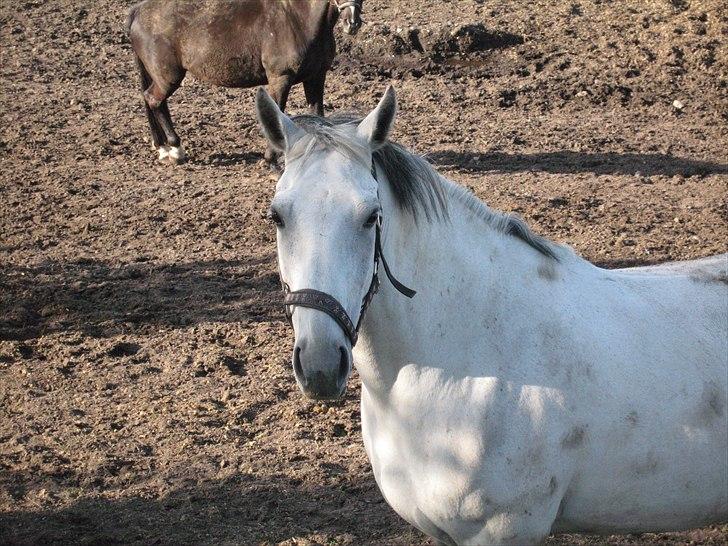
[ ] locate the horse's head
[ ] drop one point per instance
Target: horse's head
(350, 11)
(327, 212)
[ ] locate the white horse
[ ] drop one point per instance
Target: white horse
(522, 390)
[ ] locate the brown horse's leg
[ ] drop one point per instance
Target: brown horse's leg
(278, 87)
(314, 89)
(158, 138)
(156, 98)
(176, 152)
(162, 74)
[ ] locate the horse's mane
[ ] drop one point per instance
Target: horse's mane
(416, 186)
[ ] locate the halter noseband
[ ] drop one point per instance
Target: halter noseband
(315, 299)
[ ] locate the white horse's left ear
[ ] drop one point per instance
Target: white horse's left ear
(277, 127)
(376, 126)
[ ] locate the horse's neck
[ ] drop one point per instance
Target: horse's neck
(317, 17)
(332, 15)
(467, 275)
(325, 16)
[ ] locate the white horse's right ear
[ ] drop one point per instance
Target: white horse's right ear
(277, 127)
(376, 126)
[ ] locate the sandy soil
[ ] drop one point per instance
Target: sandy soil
(145, 389)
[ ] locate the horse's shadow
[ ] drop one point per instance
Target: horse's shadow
(223, 159)
(241, 509)
(565, 162)
(619, 263)
(103, 299)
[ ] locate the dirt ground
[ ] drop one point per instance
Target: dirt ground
(146, 395)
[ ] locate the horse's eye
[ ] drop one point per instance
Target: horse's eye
(274, 217)
(373, 217)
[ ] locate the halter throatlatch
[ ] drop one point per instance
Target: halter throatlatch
(315, 299)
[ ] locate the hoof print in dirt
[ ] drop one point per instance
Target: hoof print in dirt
(122, 349)
(507, 98)
(236, 366)
(25, 351)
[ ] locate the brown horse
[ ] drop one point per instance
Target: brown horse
(234, 43)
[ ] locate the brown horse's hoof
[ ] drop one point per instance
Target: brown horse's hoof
(177, 155)
(271, 156)
(173, 155)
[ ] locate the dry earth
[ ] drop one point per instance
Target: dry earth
(145, 389)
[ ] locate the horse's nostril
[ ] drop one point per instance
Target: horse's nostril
(297, 369)
(343, 365)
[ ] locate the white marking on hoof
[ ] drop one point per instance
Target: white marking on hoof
(163, 153)
(177, 154)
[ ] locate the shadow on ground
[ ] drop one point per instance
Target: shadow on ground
(244, 509)
(229, 159)
(101, 299)
(577, 162)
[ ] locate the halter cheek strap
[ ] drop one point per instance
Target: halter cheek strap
(315, 299)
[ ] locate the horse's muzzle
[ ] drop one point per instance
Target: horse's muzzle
(321, 372)
(352, 28)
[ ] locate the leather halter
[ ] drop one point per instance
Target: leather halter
(315, 299)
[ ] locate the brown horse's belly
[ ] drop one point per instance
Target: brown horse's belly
(229, 73)
(225, 65)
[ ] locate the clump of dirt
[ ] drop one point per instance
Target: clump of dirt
(438, 46)
(468, 39)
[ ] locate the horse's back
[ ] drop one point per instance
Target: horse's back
(715, 267)
(230, 43)
(693, 292)
(179, 20)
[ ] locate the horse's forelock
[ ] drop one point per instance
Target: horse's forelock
(413, 181)
(335, 133)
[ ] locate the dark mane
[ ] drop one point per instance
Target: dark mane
(416, 185)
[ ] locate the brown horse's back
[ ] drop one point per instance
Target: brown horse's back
(231, 44)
